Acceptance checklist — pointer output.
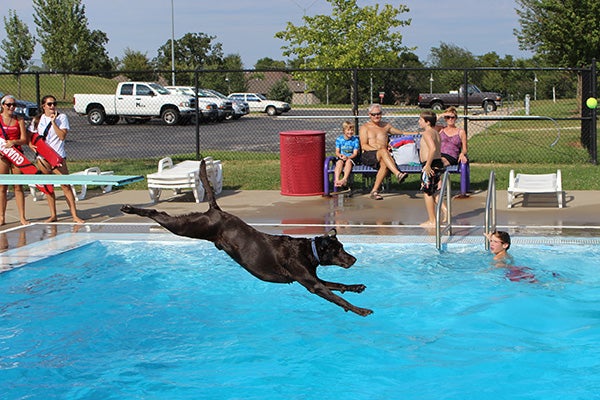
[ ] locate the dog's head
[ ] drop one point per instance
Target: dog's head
(331, 251)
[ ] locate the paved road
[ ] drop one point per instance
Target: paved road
(254, 132)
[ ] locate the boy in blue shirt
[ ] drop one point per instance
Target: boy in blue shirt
(347, 148)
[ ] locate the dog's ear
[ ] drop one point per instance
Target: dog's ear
(332, 233)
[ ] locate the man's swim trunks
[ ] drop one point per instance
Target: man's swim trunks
(429, 184)
(369, 158)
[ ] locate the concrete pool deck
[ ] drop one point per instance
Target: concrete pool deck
(398, 209)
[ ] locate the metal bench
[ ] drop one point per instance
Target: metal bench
(329, 168)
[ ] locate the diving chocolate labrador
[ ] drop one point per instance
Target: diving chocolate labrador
(271, 258)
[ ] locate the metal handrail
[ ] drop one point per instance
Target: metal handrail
(446, 193)
(490, 209)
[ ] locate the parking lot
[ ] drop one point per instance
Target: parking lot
(253, 132)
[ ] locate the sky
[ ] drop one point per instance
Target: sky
(247, 27)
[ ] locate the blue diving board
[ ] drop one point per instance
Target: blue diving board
(72, 179)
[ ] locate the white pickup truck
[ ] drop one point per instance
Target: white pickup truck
(135, 101)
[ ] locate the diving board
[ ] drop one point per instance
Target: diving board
(38, 195)
(71, 179)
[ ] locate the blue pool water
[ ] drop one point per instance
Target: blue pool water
(180, 320)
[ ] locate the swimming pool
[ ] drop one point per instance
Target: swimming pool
(168, 318)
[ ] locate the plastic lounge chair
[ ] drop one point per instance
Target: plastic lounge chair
(37, 195)
(184, 175)
(534, 183)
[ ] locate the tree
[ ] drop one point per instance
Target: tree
(269, 63)
(18, 46)
(92, 54)
(63, 32)
(350, 37)
(566, 33)
(136, 66)
(192, 51)
(280, 91)
(450, 56)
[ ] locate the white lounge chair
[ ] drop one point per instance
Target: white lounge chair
(37, 195)
(534, 183)
(185, 175)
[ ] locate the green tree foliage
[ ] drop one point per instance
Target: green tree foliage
(269, 63)
(350, 37)
(136, 66)
(566, 33)
(192, 51)
(18, 46)
(280, 91)
(67, 42)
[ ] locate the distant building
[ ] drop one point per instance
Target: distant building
(263, 81)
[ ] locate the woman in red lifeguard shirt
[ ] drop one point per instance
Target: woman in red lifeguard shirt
(13, 133)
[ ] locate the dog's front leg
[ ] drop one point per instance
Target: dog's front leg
(321, 290)
(340, 287)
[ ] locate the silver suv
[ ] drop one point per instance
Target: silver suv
(240, 108)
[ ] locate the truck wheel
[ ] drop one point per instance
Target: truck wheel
(271, 111)
(438, 106)
(96, 116)
(111, 119)
(489, 106)
(170, 116)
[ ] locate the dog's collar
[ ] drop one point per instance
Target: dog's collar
(313, 245)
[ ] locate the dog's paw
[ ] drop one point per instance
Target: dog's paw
(355, 288)
(126, 208)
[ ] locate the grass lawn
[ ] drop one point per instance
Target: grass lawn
(245, 173)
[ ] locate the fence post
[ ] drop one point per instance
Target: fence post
(355, 97)
(37, 88)
(197, 117)
(594, 129)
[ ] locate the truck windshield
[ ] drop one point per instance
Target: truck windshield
(159, 88)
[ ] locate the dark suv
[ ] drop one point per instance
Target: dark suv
(24, 108)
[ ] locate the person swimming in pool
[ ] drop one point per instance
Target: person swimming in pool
(499, 245)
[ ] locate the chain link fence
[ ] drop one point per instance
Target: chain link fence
(541, 118)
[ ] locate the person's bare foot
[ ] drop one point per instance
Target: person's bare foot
(78, 220)
(24, 222)
(427, 224)
(2, 221)
(51, 219)
(337, 184)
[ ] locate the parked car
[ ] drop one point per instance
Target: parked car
(240, 108)
(489, 101)
(24, 108)
(209, 109)
(260, 103)
(224, 106)
(135, 101)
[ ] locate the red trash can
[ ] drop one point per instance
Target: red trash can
(302, 154)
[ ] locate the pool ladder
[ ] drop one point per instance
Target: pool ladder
(490, 209)
(447, 194)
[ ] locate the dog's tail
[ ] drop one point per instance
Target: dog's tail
(210, 193)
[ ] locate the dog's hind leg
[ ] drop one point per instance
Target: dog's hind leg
(323, 291)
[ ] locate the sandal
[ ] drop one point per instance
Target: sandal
(402, 177)
(376, 196)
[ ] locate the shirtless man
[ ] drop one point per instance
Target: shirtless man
(374, 142)
(431, 161)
